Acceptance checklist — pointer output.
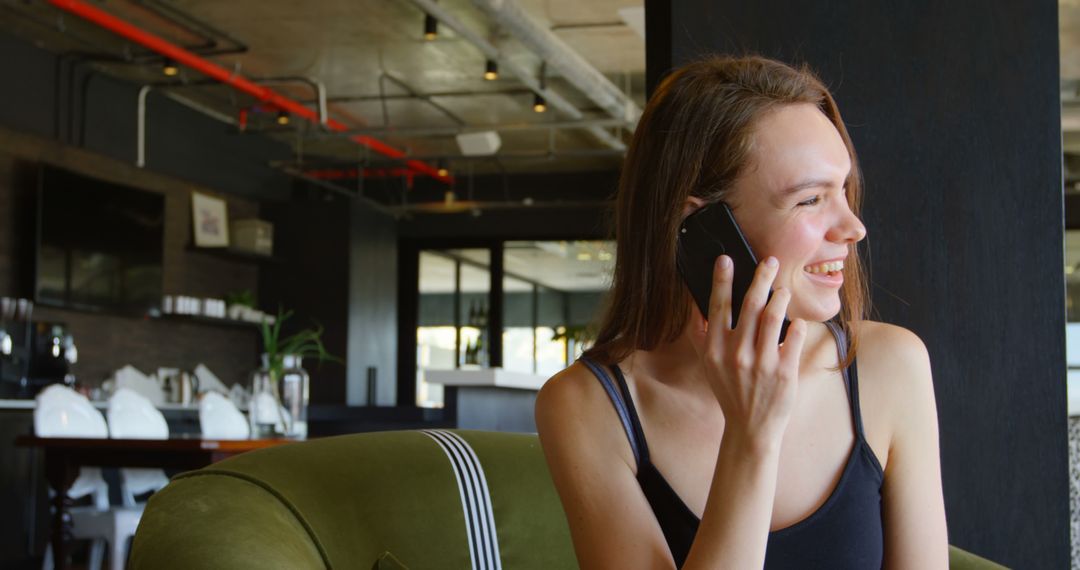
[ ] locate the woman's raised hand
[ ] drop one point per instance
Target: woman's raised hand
(755, 379)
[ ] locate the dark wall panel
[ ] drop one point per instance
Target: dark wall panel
(312, 280)
(107, 116)
(954, 111)
(30, 101)
(213, 153)
(373, 302)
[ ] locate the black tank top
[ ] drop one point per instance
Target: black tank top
(845, 532)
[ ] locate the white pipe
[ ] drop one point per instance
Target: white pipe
(140, 134)
(140, 137)
(321, 90)
(556, 54)
(524, 75)
(505, 127)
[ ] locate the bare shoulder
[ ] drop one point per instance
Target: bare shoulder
(565, 387)
(889, 341)
(592, 467)
(895, 383)
(900, 419)
(567, 395)
(573, 411)
(893, 353)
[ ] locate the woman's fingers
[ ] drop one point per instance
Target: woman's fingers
(720, 302)
(772, 320)
(720, 299)
(791, 350)
(754, 300)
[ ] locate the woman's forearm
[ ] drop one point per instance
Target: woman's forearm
(734, 528)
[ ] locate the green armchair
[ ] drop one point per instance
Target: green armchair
(387, 500)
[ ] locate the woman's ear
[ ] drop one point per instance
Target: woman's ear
(691, 205)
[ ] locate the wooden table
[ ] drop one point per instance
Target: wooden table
(64, 457)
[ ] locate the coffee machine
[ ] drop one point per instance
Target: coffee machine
(33, 354)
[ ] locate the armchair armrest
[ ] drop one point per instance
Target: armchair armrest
(241, 524)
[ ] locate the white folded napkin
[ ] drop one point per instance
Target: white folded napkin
(208, 381)
(147, 386)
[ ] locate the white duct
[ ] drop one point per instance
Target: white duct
(559, 56)
(524, 75)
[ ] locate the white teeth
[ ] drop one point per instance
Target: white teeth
(825, 267)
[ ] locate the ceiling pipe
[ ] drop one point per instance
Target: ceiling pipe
(196, 26)
(238, 82)
(526, 76)
(476, 207)
(434, 94)
(503, 127)
(348, 192)
(557, 55)
(315, 85)
(140, 135)
(140, 120)
(526, 156)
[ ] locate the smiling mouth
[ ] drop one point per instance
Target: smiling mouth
(831, 268)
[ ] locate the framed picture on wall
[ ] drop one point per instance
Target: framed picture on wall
(210, 221)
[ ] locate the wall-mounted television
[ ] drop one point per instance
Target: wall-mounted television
(99, 244)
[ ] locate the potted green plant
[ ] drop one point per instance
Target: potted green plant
(279, 397)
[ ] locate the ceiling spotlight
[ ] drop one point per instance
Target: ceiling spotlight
(431, 27)
(539, 105)
(169, 68)
(282, 117)
(491, 70)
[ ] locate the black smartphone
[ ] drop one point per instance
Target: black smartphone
(705, 235)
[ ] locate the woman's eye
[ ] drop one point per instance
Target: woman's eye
(809, 202)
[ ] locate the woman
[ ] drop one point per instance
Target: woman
(678, 440)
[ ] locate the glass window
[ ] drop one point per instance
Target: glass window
(1072, 276)
(1072, 316)
(519, 338)
(551, 341)
(454, 286)
(435, 342)
(473, 350)
(562, 284)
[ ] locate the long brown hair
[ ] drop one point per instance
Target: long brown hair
(694, 139)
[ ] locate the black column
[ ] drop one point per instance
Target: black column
(954, 110)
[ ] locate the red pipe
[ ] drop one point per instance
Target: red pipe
(347, 173)
(238, 82)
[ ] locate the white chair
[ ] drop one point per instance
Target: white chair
(220, 419)
(133, 416)
(61, 412)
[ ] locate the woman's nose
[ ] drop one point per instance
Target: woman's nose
(848, 228)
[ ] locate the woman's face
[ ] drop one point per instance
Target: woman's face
(790, 203)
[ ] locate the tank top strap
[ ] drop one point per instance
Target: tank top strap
(635, 423)
(851, 377)
(624, 407)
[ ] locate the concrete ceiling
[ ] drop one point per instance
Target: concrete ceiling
(348, 45)
(369, 54)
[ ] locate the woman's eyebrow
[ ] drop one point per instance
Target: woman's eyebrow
(812, 183)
